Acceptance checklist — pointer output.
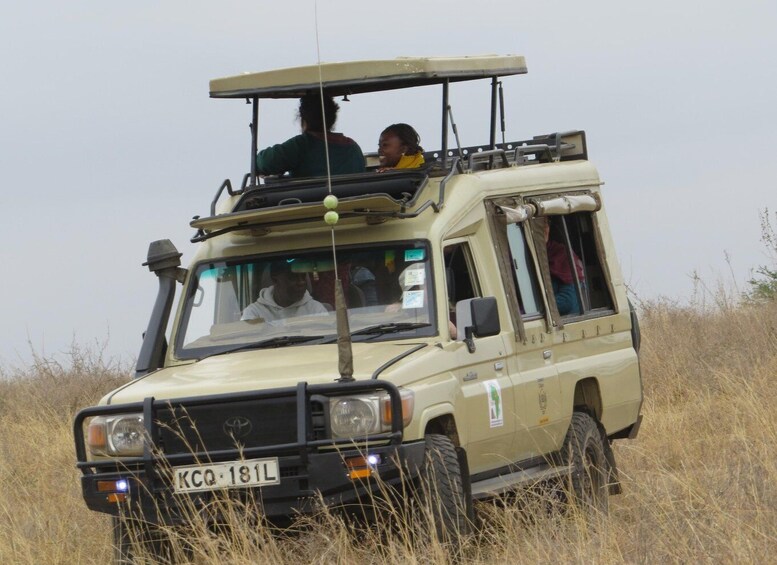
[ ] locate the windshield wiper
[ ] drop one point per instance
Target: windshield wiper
(277, 341)
(390, 328)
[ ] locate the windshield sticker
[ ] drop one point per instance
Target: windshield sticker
(415, 277)
(413, 299)
(389, 261)
(414, 255)
(494, 403)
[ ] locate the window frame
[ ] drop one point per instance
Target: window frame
(537, 229)
(497, 224)
(535, 238)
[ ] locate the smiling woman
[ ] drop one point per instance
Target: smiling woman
(398, 148)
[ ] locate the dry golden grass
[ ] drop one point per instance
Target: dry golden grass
(700, 482)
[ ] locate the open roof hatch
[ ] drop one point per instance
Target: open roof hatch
(340, 79)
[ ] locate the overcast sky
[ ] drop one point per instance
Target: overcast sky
(108, 139)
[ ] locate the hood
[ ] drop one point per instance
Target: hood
(256, 370)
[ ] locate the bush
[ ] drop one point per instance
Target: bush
(763, 286)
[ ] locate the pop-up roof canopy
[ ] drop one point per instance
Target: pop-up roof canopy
(365, 76)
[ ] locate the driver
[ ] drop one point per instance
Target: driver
(287, 297)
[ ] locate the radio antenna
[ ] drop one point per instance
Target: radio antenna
(344, 349)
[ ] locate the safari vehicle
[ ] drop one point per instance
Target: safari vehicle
(453, 362)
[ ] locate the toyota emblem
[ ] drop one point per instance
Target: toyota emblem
(237, 426)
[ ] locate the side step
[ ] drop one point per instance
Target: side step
(498, 485)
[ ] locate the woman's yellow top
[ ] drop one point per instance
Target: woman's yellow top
(410, 161)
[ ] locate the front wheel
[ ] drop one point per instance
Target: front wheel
(135, 542)
(584, 450)
(442, 488)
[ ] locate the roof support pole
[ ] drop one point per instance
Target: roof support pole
(571, 258)
(444, 140)
(254, 137)
(494, 94)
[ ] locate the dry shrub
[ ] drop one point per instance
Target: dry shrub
(42, 516)
(700, 481)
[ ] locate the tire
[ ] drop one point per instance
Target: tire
(584, 450)
(134, 542)
(443, 490)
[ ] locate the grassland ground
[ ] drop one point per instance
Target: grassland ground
(700, 481)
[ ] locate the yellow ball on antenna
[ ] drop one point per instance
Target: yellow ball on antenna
(330, 202)
(331, 217)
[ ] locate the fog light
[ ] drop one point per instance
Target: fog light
(361, 467)
(119, 485)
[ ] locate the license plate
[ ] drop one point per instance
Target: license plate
(250, 473)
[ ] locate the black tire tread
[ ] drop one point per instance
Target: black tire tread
(584, 436)
(445, 485)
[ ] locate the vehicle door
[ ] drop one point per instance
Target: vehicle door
(487, 423)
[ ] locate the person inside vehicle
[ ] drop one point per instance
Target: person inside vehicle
(561, 275)
(363, 278)
(398, 148)
(304, 155)
(287, 297)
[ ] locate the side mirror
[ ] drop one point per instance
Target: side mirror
(477, 317)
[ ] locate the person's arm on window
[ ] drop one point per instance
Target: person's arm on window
(566, 298)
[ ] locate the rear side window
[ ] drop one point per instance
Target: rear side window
(524, 275)
(518, 262)
(551, 256)
(577, 275)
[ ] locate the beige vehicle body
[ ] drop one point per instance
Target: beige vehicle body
(472, 227)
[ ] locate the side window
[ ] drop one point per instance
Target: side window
(459, 276)
(571, 240)
(524, 274)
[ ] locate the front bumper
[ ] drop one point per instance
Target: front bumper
(312, 471)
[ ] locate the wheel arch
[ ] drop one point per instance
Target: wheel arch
(588, 398)
(440, 420)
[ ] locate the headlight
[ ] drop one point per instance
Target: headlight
(359, 416)
(353, 417)
(120, 435)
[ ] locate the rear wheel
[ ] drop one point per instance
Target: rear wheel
(443, 489)
(584, 450)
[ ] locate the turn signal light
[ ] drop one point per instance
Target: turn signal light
(360, 467)
(408, 403)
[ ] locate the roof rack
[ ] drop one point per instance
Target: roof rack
(391, 194)
(559, 146)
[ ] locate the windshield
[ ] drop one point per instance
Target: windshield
(279, 300)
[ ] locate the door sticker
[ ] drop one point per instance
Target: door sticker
(495, 408)
(542, 396)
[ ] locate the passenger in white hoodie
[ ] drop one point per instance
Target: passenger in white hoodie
(286, 298)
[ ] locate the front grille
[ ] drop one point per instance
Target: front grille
(318, 420)
(229, 425)
(289, 472)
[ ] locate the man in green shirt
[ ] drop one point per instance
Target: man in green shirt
(304, 155)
